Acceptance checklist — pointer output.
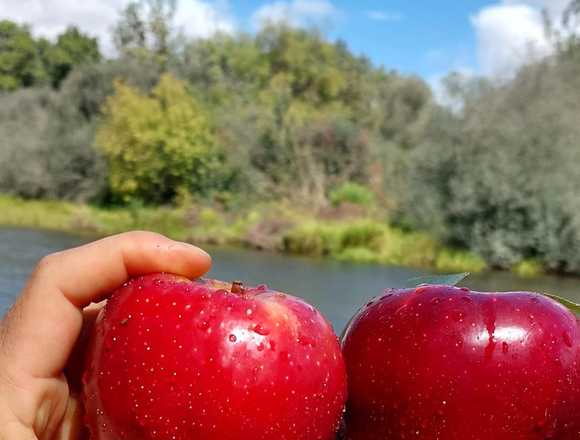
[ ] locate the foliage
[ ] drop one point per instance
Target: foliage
(145, 30)
(26, 61)
(528, 268)
(501, 177)
(370, 241)
(303, 114)
(45, 148)
(72, 48)
(20, 61)
(87, 87)
(158, 144)
(237, 119)
(351, 192)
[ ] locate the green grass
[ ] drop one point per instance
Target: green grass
(70, 217)
(275, 226)
(368, 241)
(528, 269)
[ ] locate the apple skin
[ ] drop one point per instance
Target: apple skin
(447, 363)
(174, 359)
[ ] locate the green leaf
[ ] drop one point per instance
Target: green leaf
(446, 280)
(575, 308)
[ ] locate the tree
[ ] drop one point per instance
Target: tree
(72, 48)
(304, 114)
(500, 176)
(20, 63)
(145, 29)
(46, 148)
(159, 144)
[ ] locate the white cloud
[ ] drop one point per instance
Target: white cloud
(554, 7)
(296, 13)
(384, 15)
(512, 32)
(508, 35)
(197, 18)
(203, 18)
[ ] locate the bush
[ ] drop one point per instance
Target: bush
(87, 87)
(528, 269)
(47, 137)
(361, 234)
(157, 146)
(46, 148)
(501, 178)
(352, 193)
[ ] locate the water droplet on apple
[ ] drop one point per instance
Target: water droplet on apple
(233, 338)
(505, 347)
(261, 330)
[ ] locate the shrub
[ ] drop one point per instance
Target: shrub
(361, 234)
(46, 148)
(501, 177)
(352, 193)
(159, 145)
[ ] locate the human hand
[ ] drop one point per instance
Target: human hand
(41, 336)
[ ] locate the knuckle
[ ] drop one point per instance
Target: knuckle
(47, 264)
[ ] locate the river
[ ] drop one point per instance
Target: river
(337, 289)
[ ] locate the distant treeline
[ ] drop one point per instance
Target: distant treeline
(285, 113)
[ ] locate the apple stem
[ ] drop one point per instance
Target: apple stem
(237, 287)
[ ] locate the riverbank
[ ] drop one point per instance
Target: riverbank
(271, 226)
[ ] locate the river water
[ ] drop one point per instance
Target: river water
(337, 289)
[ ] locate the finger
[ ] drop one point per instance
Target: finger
(72, 427)
(39, 333)
(84, 274)
(74, 366)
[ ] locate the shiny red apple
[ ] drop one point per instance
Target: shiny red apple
(172, 359)
(447, 363)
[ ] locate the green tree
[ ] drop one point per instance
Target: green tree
(301, 113)
(72, 48)
(158, 145)
(500, 175)
(20, 63)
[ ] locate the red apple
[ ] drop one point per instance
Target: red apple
(176, 359)
(446, 363)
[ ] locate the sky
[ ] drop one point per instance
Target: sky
(428, 38)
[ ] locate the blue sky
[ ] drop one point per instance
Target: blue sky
(428, 38)
(410, 36)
